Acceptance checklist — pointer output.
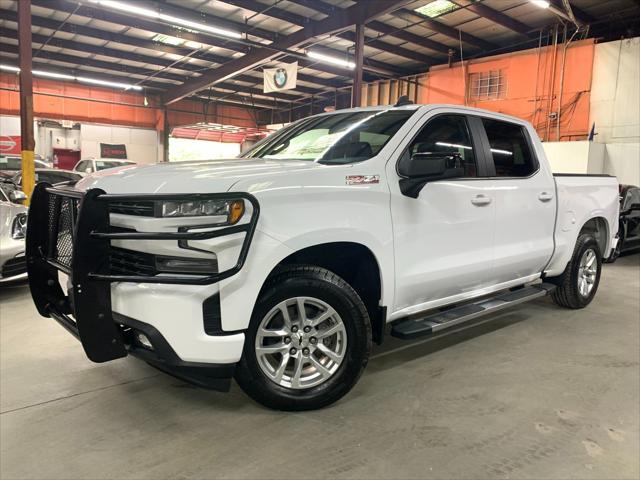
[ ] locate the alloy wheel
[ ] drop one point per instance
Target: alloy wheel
(301, 343)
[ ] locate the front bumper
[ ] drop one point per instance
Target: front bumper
(13, 265)
(70, 232)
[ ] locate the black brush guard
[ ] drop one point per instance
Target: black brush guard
(69, 231)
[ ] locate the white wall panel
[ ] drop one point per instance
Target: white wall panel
(142, 144)
(615, 91)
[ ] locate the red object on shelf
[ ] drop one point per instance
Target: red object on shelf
(65, 159)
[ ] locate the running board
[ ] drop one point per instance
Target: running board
(420, 327)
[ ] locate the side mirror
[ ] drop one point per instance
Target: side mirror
(424, 167)
(17, 196)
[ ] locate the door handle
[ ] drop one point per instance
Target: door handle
(480, 200)
(545, 197)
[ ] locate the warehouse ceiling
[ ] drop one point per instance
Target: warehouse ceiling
(223, 62)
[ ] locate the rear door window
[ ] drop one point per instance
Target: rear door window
(510, 150)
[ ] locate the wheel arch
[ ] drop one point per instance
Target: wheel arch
(353, 262)
(599, 228)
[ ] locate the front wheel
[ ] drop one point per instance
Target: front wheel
(308, 341)
(578, 284)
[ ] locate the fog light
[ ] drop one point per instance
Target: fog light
(187, 265)
(143, 340)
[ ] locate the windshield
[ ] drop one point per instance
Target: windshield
(338, 138)
(104, 164)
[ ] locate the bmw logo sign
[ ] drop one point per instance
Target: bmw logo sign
(280, 77)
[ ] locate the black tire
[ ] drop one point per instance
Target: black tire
(310, 281)
(567, 293)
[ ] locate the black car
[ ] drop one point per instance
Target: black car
(49, 175)
(629, 229)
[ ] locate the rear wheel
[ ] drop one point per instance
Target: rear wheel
(578, 284)
(308, 341)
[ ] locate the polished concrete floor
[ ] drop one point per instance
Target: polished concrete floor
(537, 392)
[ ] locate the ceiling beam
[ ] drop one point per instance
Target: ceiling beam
(495, 16)
(299, 20)
(68, 6)
(358, 13)
(155, 46)
(381, 27)
(580, 15)
(128, 69)
(218, 96)
(438, 27)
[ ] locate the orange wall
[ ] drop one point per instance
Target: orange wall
(71, 101)
(529, 93)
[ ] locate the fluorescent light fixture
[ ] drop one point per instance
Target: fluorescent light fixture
(61, 76)
(541, 3)
(436, 8)
(168, 40)
(332, 60)
(104, 83)
(130, 8)
(199, 26)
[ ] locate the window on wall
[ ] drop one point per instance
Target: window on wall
(491, 85)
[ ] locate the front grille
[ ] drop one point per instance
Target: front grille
(141, 209)
(13, 267)
(63, 212)
(130, 262)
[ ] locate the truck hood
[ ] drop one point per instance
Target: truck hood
(208, 176)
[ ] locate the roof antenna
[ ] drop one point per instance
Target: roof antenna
(403, 100)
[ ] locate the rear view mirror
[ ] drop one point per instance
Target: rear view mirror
(423, 167)
(17, 196)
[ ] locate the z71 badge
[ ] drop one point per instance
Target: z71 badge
(362, 179)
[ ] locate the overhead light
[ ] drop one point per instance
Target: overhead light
(436, 8)
(63, 76)
(332, 60)
(130, 8)
(167, 39)
(95, 81)
(541, 3)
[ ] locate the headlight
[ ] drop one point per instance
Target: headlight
(231, 209)
(19, 227)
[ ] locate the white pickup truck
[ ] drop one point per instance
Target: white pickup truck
(280, 268)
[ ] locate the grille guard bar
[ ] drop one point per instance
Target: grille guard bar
(89, 299)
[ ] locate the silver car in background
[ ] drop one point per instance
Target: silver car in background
(13, 225)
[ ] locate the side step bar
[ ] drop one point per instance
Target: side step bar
(419, 327)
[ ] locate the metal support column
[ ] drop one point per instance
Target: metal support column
(166, 130)
(26, 97)
(356, 91)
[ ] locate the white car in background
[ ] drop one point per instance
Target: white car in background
(14, 162)
(13, 225)
(92, 165)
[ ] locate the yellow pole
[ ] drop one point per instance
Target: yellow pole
(28, 173)
(26, 98)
